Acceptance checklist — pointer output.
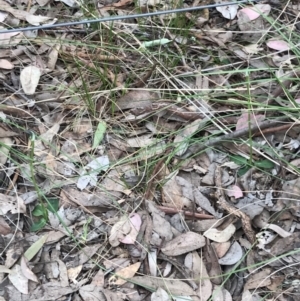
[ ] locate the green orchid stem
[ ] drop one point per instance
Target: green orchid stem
(40, 197)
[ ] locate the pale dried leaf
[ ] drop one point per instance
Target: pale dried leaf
(98, 279)
(226, 295)
(4, 269)
(30, 77)
(153, 150)
(160, 295)
(202, 201)
(280, 45)
(152, 259)
(259, 279)
(5, 37)
(220, 236)
(227, 11)
(4, 227)
(91, 170)
(248, 296)
(26, 271)
(136, 98)
(234, 254)
(252, 48)
(234, 191)
(19, 281)
(11, 204)
(221, 248)
(45, 140)
(73, 273)
(37, 20)
(256, 11)
(183, 243)
(5, 145)
(247, 120)
(141, 141)
(161, 226)
(71, 3)
(87, 253)
(63, 273)
(252, 207)
(195, 263)
(83, 126)
(172, 193)
(175, 287)
(91, 293)
(119, 231)
(5, 64)
(182, 138)
(278, 230)
(217, 293)
(113, 182)
(135, 223)
(122, 275)
(53, 56)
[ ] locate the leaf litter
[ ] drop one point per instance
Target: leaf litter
(150, 160)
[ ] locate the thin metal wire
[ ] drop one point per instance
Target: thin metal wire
(116, 18)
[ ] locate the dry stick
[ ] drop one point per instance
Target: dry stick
(236, 134)
(13, 90)
(276, 129)
(169, 210)
(13, 182)
(254, 129)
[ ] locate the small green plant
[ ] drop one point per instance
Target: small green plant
(246, 164)
(41, 212)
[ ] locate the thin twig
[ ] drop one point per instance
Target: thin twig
(169, 210)
(233, 135)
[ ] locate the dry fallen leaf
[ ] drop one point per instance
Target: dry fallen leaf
(233, 255)
(221, 248)
(122, 275)
(5, 64)
(12, 204)
(182, 138)
(220, 236)
(172, 193)
(29, 78)
(119, 231)
(160, 295)
(260, 279)
(199, 272)
(183, 243)
(5, 144)
(26, 271)
(234, 191)
(73, 273)
(135, 223)
(279, 45)
(175, 287)
(246, 120)
(45, 140)
(18, 279)
(227, 11)
(4, 227)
